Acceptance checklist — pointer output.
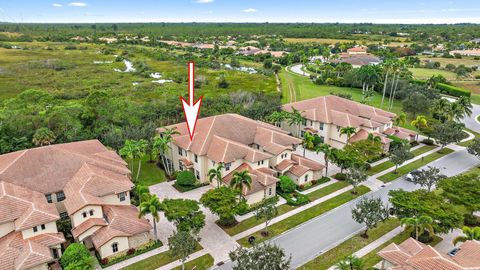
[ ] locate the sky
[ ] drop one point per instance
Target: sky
(343, 11)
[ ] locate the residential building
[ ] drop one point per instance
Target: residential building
(240, 143)
(325, 116)
(89, 184)
(414, 255)
(357, 50)
(357, 59)
(472, 52)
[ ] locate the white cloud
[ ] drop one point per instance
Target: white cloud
(249, 10)
(204, 1)
(57, 5)
(77, 4)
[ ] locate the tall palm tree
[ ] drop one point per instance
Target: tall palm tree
(216, 173)
(441, 108)
(349, 131)
(161, 146)
(43, 136)
(128, 152)
(143, 193)
(327, 151)
(350, 263)
(420, 123)
(241, 179)
(455, 112)
(466, 105)
(387, 66)
(139, 153)
(151, 206)
(400, 119)
(419, 224)
(470, 234)
(307, 142)
(295, 118)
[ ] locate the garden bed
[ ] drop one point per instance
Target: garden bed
(114, 260)
(314, 183)
(295, 198)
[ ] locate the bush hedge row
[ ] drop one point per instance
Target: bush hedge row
(448, 89)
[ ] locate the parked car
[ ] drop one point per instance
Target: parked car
(410, 175)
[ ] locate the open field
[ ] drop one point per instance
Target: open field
(330, 41)
(425, 73)
(466, 60)
(473, 86)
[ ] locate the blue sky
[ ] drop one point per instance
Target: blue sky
(386, 11)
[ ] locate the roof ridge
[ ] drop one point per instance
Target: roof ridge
(15, 160)
(206, 136)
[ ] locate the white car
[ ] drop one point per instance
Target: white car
(409, 176)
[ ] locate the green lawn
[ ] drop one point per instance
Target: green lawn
(349, 246)
(388, 164)
(426, 73)
(150, 173)
(414, 165)
(201, 263)
(156, 261)
(282, 209)
(371, 259)
(467, 143)
(306, 215)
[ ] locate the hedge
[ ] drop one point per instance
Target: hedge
(186, 178)
(448, 89)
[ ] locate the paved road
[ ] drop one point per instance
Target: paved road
(298, 69)
(470, 122)
(310, 239)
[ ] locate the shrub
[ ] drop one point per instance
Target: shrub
(186, 178)
(77, 255)
(104, 261)
(286, 184)
(470, 220)
(314, 182)
(324, 179)
(428, 141)
(453, 90)
(130, 251)
(296, 199)
(477, 77)
(301, 187)
(340, 176)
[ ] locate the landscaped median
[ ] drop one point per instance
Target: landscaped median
(388, 164)
(284, 208)
(388, 177)
(301, 217)
(468, 142)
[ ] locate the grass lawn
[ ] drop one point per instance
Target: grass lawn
(282, 209)
(201, 263)
(426, 73)
(473, 86)
(388, 164)
(414, 165)
(299, 218)
(156, 261)
(150, 173)
(304, 88)
(467, 143)
(371, 259)
(350, 246)
(465, 60)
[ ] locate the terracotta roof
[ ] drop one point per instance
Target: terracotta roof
(24, 207)
(357, 49)
(227, 137)
(51, 167)
(357, 59)
(284, 164)
(122, 221)
(341, 112)
(186, 162)
(17, 253)
(399, 132)
(412, 254)
(363, 135)
(86, 225)
(311, 130)
(312, 165)
(260, 179)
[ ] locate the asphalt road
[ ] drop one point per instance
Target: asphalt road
(318, 235)
(470, 121)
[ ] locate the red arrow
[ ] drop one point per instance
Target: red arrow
(191, 108)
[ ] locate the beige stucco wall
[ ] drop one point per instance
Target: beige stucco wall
(49, 228)
(78, 219)
(301, 180)
(277, 159)
(139, 239)
(6, 228)
(114, 199)
(106, 249)
(260, 195)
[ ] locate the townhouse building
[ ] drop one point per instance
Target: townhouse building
(240, 143)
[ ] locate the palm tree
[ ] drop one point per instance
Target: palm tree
(351, 262)
(419, 224)
(466, 105)
(277, 117)
(241, 179)
(420, 123)
(455, 112)
(142, 192)
(373, 138)
(216, 173)
(139, 153)
(470, 234)
(295, 118)
(43, 136)
(307, 142)
(128, 152)
(161, 146)
(387, 66)
(151, 206)
(349, 131)
(400, 119)
(327, 154)
(441, 108)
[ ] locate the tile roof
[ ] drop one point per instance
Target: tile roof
(17, 253)
(214, 135)
(122, 221)
(260, 179)
(43, 163)
(362, 134)
(357, 59)
(341, 112)
(87, 224)
(24, 207)
(412, 254)
(399, 132)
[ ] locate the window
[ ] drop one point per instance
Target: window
(180, 165)
(227, 166)
(84, 214)
(60, 196)
(91, 212)
(269, 191)
(321, 126)
(322, 139)
(180, 151)
(63, 215)
(306, 178)
(49, 198)
(121, 196)
(195, 157)
(55, 253)
(197, 174)
(338, 128)
(304, 122)
(213, 163)
(35, 229)
(115, 247)
(43, 227)
(302, 134)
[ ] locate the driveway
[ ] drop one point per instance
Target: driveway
(320, 234)
(298, 69)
